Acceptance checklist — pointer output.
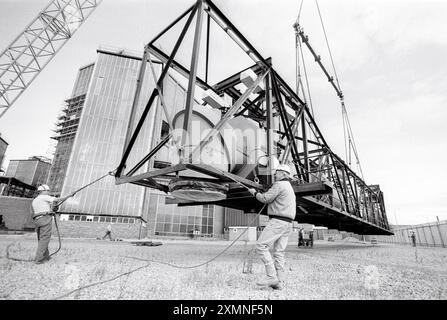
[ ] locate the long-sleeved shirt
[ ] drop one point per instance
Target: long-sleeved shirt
(42, 204)
(280, 198)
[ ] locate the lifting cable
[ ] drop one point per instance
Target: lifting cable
(298, 52)
(346, 125)
(328, 47)
(55, 220)
(167, 263)
(307, 80)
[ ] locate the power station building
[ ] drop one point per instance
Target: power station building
(23, 176)
(67, 126)
(33, 171)
(91, 136)
(3, 147)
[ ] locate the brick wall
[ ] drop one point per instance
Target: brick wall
(17, 215)
(16, 212)
(84, 229)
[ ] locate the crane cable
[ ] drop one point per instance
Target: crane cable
(307, 80)
(298, 51)
(346, 125)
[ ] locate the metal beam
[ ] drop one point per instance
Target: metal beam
(153, 96)
(136, 98)
(208, 20)
(150, 154)
(317, 58)
(286, 124)
(192, 80)
(228, 115)
(215, 12)
(150, 174)
(210, 170)
(269, 123)
(177, 66)
(172, 24)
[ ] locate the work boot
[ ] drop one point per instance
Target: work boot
(268, 282)
(271, 279)
(280, 276)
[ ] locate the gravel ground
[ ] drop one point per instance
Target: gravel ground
(329, 270)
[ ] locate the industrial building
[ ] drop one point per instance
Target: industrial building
(23, 176)
(90, 140)
(67, 126)
(3, 147)
(33, 171)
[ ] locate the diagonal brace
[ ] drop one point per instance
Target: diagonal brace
(209, 137)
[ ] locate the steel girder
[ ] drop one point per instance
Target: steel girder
(328, 191)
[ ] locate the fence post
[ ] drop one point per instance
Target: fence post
(419, 231)
(440, 235)
(432, 237)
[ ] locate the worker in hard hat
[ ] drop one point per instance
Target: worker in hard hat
(281, 211)
(42, 206)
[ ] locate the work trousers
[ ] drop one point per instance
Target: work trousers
(43, 229)
(275, 235)
(108, 234)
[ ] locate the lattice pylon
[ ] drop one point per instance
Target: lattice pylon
(33, 49)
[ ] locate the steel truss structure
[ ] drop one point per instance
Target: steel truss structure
(33, 49)
(328, 192)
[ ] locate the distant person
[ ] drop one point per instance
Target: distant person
(301, 237)
(281, 211)
(413, 238)
(108, 232)
(43, 206)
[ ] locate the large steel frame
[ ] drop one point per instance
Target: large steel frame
(33, 49)
(328, 192)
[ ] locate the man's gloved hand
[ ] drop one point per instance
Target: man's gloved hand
(55, 207)
(252, 191)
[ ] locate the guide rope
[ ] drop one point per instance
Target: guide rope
(55, 220)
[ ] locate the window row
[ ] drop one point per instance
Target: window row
(77, 217)
(183, 228)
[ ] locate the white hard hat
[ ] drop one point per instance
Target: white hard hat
(283, 167)
(43, 187)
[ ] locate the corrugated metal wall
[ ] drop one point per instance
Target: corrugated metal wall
(430, 234)
(237, 218)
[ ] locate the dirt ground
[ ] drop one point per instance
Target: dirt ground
(330, 270)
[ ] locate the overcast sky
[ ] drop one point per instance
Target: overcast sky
(389, 56)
